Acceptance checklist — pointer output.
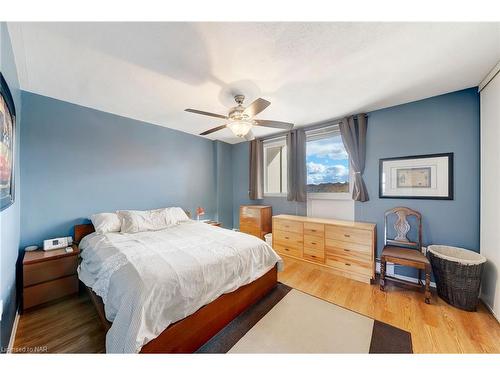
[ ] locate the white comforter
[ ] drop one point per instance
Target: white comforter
(150, 280)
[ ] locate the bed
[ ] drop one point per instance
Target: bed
(170, 291)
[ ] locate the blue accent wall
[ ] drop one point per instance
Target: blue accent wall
(78, 161)
(224, 188)
(10, 217)
(445, 123)
(241, 162)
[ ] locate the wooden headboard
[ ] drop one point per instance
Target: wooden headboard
(81, 230)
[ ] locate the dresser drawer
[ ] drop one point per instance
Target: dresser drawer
(51, 290)
(288, 250)
(49, 270)
(350, 246)
(294, 239)
(348, 234)
(314, 254)
(254, 231)
(348, 254)
(288, 225)
(314, 242)
(350, 265)
(314, 229)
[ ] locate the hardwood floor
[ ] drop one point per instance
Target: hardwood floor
(72, 325)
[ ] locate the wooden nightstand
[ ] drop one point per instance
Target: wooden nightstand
(49, 275)
(213, 223)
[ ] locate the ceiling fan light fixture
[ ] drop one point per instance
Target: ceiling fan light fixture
(240, 128)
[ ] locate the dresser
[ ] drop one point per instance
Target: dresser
(49, 275)
(346, 247)
(256, 220)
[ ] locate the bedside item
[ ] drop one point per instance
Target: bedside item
(7, 145)
(458, 275)
(49, 275)
(348, 247)
(57, 243)
(106, 222)
(31, 248)
(200, 211)
(404, 252)
(417, 177)
(255, 220)
(213, 223)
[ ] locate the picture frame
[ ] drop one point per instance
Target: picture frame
(7, 145)
(427, 176)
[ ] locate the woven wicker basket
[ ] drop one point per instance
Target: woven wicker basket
(458, 275)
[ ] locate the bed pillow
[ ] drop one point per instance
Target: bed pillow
(106, 222)
(178, 214)
(143, 221)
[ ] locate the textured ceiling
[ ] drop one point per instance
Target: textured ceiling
(310, 72)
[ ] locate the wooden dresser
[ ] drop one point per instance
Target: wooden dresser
(347, 247)
(256, 220)
(49, 275)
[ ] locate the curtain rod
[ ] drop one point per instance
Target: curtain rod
(313, 126)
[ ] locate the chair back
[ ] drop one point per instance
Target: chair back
(402, 227)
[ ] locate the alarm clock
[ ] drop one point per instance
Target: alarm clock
(57, 243)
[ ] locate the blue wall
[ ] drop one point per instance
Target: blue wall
(78, 161)
(224, 188)
(10, 217)
(241, 162)
(445, 123)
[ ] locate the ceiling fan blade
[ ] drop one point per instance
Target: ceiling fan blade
(213, 129)
(249, 136)
(205, 113)
(256, 107)
(274, 124)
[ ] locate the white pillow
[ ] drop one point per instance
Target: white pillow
(143, 221)
(106, 222)
(178, 214)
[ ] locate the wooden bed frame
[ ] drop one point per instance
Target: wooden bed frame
(190, 333)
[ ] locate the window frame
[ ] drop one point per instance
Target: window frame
(280, 141)
(321, 133)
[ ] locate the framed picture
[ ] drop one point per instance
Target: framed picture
(7, 145)
(417, 177)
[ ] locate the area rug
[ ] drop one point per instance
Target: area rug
(290, 321)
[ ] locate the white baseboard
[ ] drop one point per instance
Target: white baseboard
(490, 309)
(389, 271)
(13, 333)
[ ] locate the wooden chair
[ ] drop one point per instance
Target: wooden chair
(402, 251)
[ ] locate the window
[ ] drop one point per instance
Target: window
(327, 162)
(275, 167)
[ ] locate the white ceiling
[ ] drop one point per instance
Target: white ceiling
(310, 72)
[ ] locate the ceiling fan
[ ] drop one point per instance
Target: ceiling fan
(241, 119)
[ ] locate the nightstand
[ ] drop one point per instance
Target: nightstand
(49, 275)
(213, 223)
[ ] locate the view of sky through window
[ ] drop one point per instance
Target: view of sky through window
(327, 165)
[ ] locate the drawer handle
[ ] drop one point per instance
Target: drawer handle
(347, 250)
(314, 256)
(347, 264)
(313, 230)
(347, 235)
(287, 249)
(313, 243)
(287, 238)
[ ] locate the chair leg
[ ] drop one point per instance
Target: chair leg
(382, 273)
(427, 285)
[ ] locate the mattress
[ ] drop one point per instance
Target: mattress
(150, 280)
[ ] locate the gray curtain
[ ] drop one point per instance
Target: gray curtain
(256, 178)
(353, 132)
(297, 174)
